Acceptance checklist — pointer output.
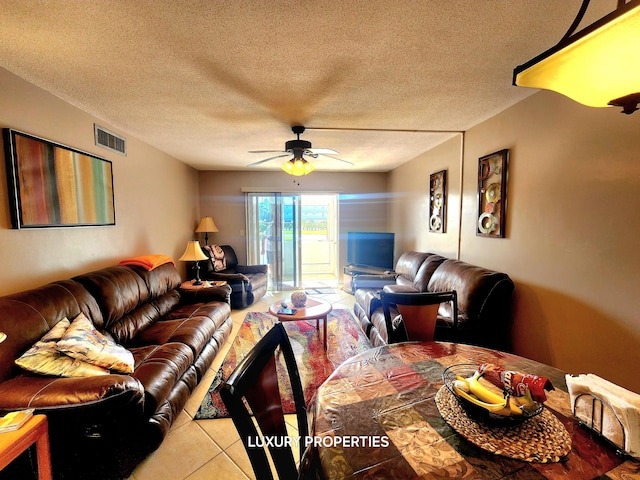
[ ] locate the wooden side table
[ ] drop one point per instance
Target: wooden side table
(208, 291)
(188, 285)
(36, 431)
(314, 309)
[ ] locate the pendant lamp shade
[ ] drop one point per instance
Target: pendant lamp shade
(598, 66)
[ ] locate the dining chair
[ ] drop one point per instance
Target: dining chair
(418, 313)
(254, 384)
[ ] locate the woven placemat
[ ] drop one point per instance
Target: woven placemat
(541, 439)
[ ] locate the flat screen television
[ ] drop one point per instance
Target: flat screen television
(370, 249)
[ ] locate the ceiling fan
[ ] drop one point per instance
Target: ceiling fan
(298, 165)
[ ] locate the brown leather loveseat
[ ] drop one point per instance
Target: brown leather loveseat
(484, 299)
(103, 426)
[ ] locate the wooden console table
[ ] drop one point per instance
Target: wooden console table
(36, 431)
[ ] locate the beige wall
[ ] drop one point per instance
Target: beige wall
(572, 229)
(409, 209)
(155, 197)
(362, 207)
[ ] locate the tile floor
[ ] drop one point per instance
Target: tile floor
(206, 449)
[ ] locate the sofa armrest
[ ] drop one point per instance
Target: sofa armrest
(218, 293)
(248, 269)
(399, 289)
(109, 392)
(228, 277)
(373, 281)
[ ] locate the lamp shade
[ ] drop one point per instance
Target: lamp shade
(206, 225)
(193, 252)
(598, 66)
(298, 167)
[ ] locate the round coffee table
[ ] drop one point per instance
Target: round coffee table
(314, 309)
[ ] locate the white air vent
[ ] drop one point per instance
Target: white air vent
(110, 140)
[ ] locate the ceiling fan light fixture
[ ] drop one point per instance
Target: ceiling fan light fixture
(298, 167)
(598, 66)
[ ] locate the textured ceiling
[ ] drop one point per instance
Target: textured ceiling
(207, 81)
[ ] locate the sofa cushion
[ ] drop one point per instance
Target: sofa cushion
(159, 281)
(125, 329)
(133, 298)
(118, 290)
(473, 285)
(82, 341)
(191, 325)
(45, 358)
(408, 265)
(425, 272)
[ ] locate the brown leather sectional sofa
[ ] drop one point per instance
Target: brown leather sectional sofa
(484, 299)
(103, 426)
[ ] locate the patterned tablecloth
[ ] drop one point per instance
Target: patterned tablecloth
(376, 417)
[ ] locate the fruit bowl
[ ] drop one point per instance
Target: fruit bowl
(510, 412)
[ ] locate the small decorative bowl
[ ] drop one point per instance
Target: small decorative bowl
(299, 299)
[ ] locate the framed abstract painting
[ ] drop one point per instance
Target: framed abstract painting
(52, 185)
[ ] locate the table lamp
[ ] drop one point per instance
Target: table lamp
(193, 253)
(205, 226)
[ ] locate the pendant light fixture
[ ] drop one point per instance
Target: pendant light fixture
(598, 66)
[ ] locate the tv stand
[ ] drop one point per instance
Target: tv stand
(351, 271)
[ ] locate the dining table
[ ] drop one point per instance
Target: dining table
(386, 413)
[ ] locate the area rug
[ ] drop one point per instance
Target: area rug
(345, 339)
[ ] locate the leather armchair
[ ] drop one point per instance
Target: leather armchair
(248, 282)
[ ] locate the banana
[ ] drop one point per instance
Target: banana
(486, 395)
(526, 401)
(491, 407)
(488, 392)
(514, 405)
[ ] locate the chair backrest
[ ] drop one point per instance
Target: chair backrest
(419, 312)
(255, 380)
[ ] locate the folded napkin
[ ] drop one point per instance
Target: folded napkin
(625, 410)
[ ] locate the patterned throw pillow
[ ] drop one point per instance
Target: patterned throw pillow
(84, 342)
(217, 257)
(44, 357)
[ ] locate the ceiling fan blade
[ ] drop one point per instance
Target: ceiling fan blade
(266, 151)
(336, 158)
(267, 160)
(322, 151)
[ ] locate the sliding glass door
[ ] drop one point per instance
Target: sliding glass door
(296, 235)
